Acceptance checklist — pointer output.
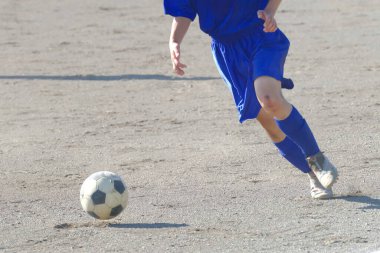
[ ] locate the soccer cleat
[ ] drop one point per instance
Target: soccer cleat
(317, 191)
(323, 169)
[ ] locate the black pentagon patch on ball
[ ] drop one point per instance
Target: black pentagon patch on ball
(98, 197)
(119, 186)
(93, 215)
(116, 210)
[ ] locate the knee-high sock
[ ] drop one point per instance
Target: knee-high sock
(293, 153)
(297, 129)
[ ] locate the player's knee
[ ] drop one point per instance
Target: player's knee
(271, 103)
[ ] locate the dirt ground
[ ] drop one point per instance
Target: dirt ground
(87, 86)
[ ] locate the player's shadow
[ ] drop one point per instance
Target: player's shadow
(104, 78)
(372, 203)
(148, 225)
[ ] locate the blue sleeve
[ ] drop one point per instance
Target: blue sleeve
(179, 8)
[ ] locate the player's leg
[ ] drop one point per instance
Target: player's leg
(293, 153)
(291, 122)
(270, 126)
(287, 148)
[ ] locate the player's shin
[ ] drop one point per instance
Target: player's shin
(297, 129)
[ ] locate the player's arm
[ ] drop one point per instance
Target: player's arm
(270, 24)
(179, 28)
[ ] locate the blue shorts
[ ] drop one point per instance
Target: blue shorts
(243, 58)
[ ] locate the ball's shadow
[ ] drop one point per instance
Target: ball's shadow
(148, 225)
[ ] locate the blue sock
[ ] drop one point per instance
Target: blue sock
(296, 128)
(292, 152)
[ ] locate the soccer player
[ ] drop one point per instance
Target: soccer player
(249, 51)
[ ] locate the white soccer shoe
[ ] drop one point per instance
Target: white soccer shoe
(325, 171)
(317, 191)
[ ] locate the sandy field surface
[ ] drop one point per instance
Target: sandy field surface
(87, 86)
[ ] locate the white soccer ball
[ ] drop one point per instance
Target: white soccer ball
(104, 195)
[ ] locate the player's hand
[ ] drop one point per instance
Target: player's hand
(175, 54)
(270, 24)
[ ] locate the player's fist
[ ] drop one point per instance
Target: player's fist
(175, 53)
(270, 24)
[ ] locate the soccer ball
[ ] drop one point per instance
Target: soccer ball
(103, 195)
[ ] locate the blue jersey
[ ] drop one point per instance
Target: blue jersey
(241, 49)
(218, 18)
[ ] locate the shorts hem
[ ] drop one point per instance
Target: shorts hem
(273, 75)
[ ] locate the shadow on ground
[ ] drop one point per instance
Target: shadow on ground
(104, 77)
(104, 224)
(148, 225)
(372, 203)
